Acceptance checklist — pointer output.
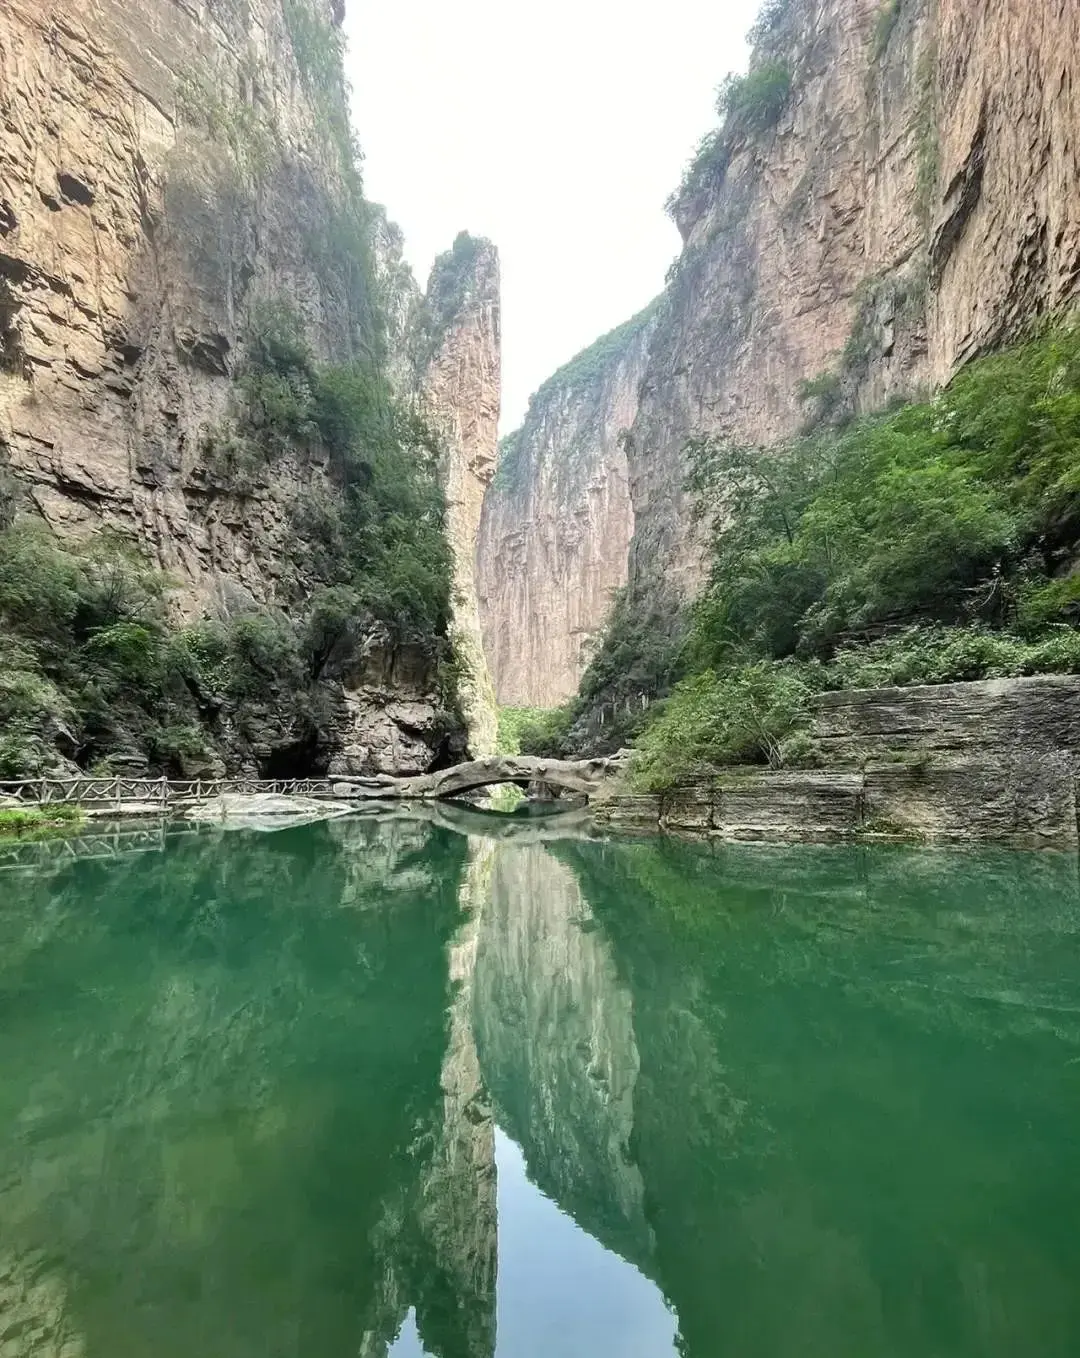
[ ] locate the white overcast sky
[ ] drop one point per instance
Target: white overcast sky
(558, 130)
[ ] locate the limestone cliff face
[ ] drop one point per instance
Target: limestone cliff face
(558, 521)
(916, 203)
(166, 170)
(162, 170)
(461, 357)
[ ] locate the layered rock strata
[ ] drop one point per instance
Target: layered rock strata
(910, 203)
(993, 762)
(915, 204)
(558, 521)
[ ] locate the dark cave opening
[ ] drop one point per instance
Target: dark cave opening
(303, 758)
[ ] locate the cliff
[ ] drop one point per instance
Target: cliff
(460, 339)
(558, 520)
(174, 180)
(163, 170)
(906, 203)
(892, 191)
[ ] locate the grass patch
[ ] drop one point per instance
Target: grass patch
(39, 823)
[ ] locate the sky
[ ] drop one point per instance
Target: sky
(558, 130)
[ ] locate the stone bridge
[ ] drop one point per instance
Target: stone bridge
(582, 778)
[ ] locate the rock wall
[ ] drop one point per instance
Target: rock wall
(165, 170)
(558, 521)
(915, 203)
(993, 762)
(461, 351)
(162, 170)
(918, 196)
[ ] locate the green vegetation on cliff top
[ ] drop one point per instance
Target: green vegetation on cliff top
(930, 543)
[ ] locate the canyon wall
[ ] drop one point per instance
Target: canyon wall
(170, 173)
(558, 521)
(915, 204)
(163, 171)
(896, 195)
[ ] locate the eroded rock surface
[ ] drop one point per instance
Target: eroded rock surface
(462, 389)
(918, 193)
(993, 762)
(558, 521)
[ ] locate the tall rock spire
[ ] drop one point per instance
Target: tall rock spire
(461, 379)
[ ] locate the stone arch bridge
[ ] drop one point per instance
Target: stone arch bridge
(579, 777)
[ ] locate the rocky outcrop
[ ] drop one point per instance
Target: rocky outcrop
(558, 521)
(907, 200)
(461, 352)
(162, 170)
(994, 762)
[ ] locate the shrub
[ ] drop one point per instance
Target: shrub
(740, 716)
(944, 655)
(544, 734)
(35, 823)
(752, 104)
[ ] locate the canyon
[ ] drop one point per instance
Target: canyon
(910, 205)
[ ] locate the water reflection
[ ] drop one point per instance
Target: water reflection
(382, 1087)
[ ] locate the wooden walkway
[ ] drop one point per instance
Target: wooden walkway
(117, 793)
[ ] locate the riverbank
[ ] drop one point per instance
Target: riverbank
(990, 762)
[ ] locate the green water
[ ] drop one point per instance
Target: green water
(376, 1087)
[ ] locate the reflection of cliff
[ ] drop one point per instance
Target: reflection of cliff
(458, 1213)
(848, 1115)
(224, 1145)
(555, 1032)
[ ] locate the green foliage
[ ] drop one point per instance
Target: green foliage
(316, 43)
(928, 143)
(34, 823)
(749, 106)
(741, 716)
(945, 655)
(534, 730)
(884, 26)
(753, 103)
(823, 398)
(246, 130)
(319, 50)
(393, 554)
(770, 24)
(931, 544)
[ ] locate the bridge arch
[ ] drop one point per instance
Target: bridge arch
(583, 778)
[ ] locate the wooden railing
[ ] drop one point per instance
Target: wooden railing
(164, 792)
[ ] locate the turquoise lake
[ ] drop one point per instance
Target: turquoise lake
(381, 1086)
